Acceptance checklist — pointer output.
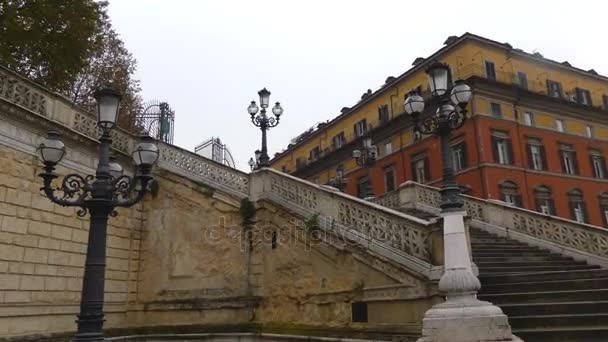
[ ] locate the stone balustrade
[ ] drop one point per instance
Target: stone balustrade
(374, 225)
(579, 240)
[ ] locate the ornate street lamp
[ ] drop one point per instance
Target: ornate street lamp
(450, 114)
(366, 156)
(99, 195)
(264, 122)
(477, 320)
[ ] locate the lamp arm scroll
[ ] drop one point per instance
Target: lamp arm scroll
(125, 193)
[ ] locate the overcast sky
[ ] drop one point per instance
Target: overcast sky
(208, 59)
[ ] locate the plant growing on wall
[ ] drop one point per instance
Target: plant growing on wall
(247, 211)
(311, 224)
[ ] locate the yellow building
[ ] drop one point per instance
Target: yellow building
(522, 98)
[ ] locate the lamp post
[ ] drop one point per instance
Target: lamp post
(264, 122)
(366, 157)
(99, 195)
(462, 317)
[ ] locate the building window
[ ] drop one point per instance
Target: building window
(360, 128)
(544, 202)
(578, 211)
(583, 96)
(568, 158)
(338, 140)
(388, 148)
(604, 207)
(359, 312)
(537, 159)
(300, 163)
(554, 89)
(605, 100)
(389, 178)
(364, 188)
(598, 164)
(420, 168)
(383, 115)
(559, 125)
(496, 110)
(314, 154)
(528, 119)
(340, 171)
(522, 80)
(458, 154)
(509, 193)
(501, 144)
(589, 131)
(490, 70)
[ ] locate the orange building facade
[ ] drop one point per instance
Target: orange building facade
(536, 137)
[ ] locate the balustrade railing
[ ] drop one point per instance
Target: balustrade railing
(403, 232)
(588, 241)
(21, 92)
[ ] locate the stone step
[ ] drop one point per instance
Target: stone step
(555, 308)
(521, 259)
(555, 321)
(487, 279)
(504, 248)
(510, 253)
(544, 296)
(493, 245)
(534, 269)
(564, 334)
(517, 263)
(553, 285)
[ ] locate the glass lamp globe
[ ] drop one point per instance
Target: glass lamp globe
(51, 150)
(264, 97)
(115, 168)
(438, 78)
(146, 152)
(461, 93)
(356, 154)
(277, 110)
(108, 103)
(414, 104)
(253, 108)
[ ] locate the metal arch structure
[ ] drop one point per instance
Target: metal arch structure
(219, 152)
(157, 120)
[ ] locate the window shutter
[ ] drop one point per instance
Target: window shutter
(572, 213)
(551, 206)
(543, 156)
(602, 209)
(605, 98)
(413, 165)
(537, 204)
(603, 165)
(585, 216)
(561, 154)
(549, 87)
(464, 155)
(529, 154)
(355, 129)
(575, 162)
(510, 152)
(591, 158)
(518, 201)
(427, 172)
(495, 149)
(579, 95)
(559, 89)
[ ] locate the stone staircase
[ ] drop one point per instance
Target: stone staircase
(548, 297)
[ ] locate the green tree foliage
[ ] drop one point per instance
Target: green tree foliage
(68, 46)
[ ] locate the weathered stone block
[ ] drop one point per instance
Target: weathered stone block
(19, 197)
(35, 255)
(62, 233)
(9, 282)
(49, 243)
(59, 258)
(14, 225)
(55, 283)
(21, 268)
(31, 283)
(81, 236)
(40, 202)
(11, 252)
(11, 297)
(39, 228)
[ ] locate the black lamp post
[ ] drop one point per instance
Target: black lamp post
(366, 157)
(450, 114)
(98, 195)
(264, 122)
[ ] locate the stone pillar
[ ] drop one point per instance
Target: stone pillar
(462, 317)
